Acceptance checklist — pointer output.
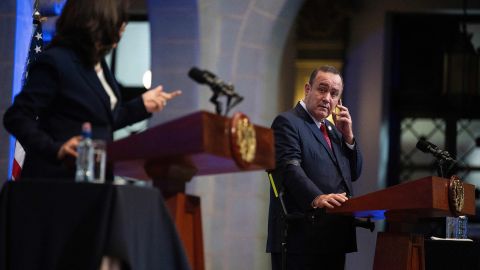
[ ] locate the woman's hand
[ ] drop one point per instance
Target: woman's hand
(69, 148)
(156, 99)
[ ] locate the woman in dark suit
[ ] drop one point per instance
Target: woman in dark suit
(70, 84)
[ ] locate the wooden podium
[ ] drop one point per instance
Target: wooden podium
(171, 154)
(402, 206)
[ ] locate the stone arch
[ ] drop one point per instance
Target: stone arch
(242, 42)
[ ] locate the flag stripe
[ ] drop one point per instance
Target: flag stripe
(36, 47)
(16, 170)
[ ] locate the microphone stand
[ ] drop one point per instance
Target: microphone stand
(228, 91)
(445, 167)
(218, 105)
(287, 218)
(440, 169)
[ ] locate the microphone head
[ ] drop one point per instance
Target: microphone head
(425, 146)
(197, 75)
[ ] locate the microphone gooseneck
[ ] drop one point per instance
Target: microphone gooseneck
(219, 88)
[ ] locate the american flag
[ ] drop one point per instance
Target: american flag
(36, 47)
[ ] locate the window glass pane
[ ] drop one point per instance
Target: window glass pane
(468, 150)
(132, 59)
(414, 163)
(468, 131)
(414, 174)
(412, 130)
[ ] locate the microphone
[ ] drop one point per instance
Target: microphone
(219, 88)
(210, 79)
(428, 147)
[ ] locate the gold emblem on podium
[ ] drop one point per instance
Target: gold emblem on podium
(243, 140)
(456, 195)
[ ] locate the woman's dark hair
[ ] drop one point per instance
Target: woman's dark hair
(91, 27)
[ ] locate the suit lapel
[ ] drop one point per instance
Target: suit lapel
(96, 86)
(337, 148)
(334, 138)
(111, 80)
(315, 130)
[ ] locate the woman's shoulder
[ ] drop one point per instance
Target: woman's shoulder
(58, 52)
(57, 57)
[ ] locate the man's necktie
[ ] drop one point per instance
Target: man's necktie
(325, 135)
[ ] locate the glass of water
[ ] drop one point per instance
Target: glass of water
(99, 161)
(457, 227)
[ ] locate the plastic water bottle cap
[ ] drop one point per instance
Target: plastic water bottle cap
(87, 127)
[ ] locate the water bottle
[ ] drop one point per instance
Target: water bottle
(84, 172)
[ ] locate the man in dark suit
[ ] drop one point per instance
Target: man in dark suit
(316, 163)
